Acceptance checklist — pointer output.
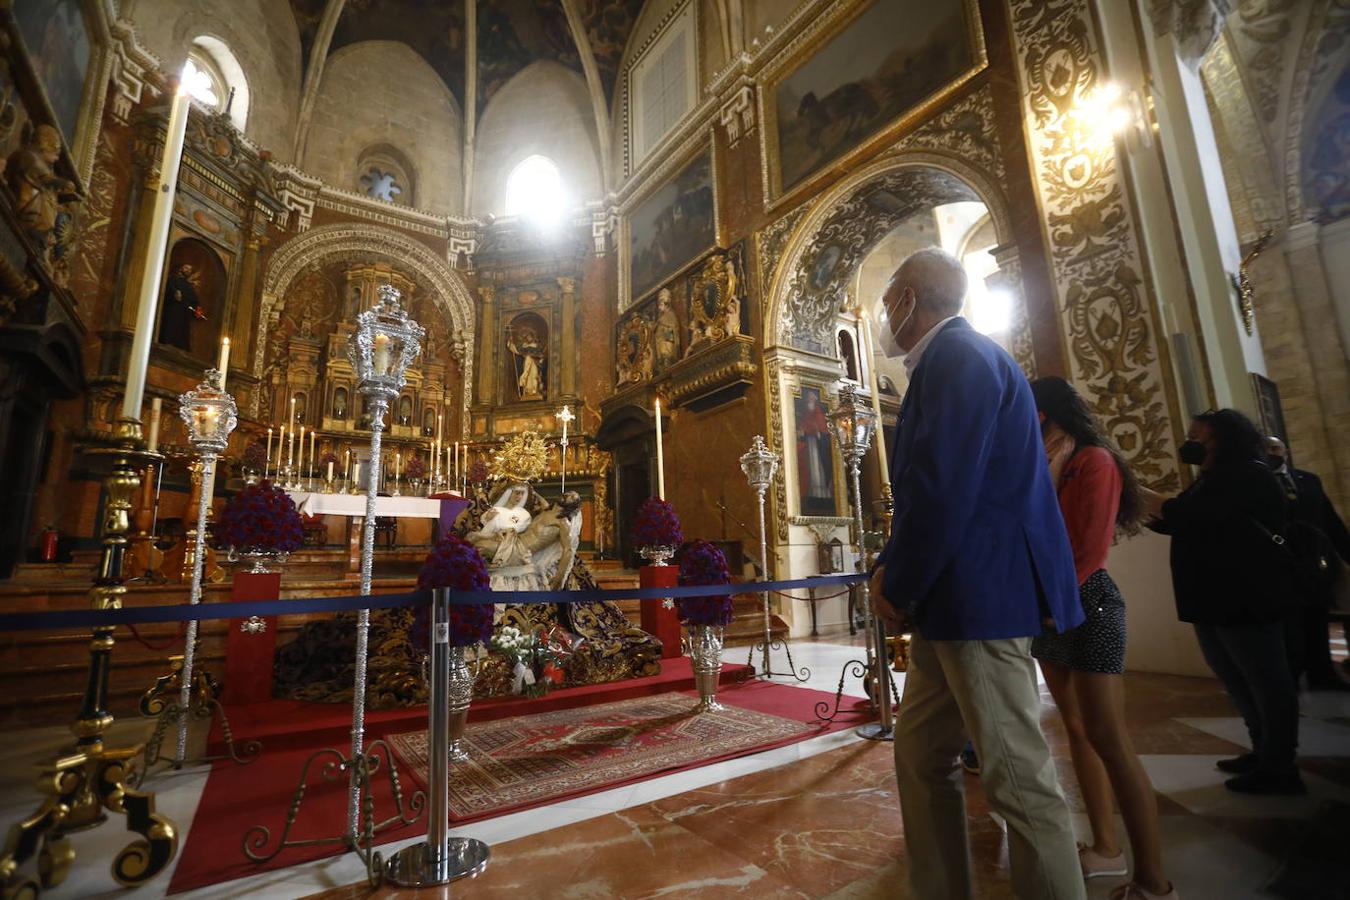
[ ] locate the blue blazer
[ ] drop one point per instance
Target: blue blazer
(978, 549)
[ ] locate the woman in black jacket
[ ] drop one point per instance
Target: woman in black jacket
(1231, 576)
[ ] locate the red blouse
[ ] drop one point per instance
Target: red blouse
(1089, 498)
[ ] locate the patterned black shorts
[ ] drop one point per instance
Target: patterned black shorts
(1098, 645)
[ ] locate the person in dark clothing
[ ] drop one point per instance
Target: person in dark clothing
(1233, 579)
(1322, 543)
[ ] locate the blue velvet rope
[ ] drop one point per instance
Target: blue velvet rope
(184, 612)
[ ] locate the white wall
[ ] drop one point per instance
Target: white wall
(1156, 641)
(546, 110)
(384, 92)
(263, 37)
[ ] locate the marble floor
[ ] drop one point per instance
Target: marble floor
(814, 819)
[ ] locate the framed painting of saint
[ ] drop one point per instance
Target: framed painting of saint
(670, 229)
(891, 62)
(817, 486)
(57, 40)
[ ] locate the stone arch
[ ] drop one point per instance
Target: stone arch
(321, 244)
(848, 213)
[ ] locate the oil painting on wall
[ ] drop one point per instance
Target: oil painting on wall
(815, 455)
(672, 227)
(889, 59)
(57, 41)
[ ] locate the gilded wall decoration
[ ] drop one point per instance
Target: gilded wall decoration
(773, 366)
(818, 287)
(966, 130)
(717, 300)
(634, 357)
(772, 240)
(1095, 259)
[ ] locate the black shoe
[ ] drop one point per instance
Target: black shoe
(1261, 782)
(1238, 765)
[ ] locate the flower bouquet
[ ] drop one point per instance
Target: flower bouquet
(517, 648)
(704, 564)
(656, 531)
(253, 461)
(456, 564)
(553, 647)
(259, 524)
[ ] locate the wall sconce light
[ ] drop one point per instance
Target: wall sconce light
(1109, 111)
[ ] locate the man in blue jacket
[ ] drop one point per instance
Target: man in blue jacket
(977, 563)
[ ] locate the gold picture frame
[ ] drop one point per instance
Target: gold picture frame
(819, 39)
(838, 490)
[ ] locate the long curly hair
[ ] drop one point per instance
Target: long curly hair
(1065, 407)
(1236, 437)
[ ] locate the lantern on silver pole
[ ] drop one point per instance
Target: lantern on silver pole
(853, 422)
(210, 416)
(760, 464)
(385, 343)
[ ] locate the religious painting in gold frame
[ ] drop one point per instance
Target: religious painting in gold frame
(865, 75)
(814, 469)
(671, 227)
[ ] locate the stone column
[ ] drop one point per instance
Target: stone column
(569, 336)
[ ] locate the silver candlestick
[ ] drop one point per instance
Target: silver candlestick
(760, 464)
(210, 416)
(853, 422)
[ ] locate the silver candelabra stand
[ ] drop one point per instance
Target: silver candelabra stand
(853, 422)
(760, 464)
(210, 416)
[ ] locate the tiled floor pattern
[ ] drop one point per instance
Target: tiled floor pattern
(817, 819)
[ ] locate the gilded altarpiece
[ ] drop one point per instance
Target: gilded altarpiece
(1105, 308)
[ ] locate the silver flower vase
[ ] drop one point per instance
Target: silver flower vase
(460, 696)
(705, 652)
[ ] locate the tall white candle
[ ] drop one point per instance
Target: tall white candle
(883, 463)
(157, 248)
(398, 465)
(267, 460)
(346, 465)
(300, 466)
(660, 456)
(311, 453)
(330, 470)
(223, 364)
(290, 451)
(156, 406)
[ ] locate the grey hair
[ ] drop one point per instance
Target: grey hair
(938, 279)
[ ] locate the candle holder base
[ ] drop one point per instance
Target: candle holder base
(416, 866)
(875, 731)
(827, 710)
(803, 674)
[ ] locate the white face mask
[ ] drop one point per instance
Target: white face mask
(886, 342)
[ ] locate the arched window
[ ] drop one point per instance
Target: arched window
(534, 189)
(211, 73)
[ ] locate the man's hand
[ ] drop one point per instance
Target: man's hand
(895, 621)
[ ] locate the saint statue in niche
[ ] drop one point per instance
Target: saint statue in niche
(340, 403)
(525, 345)
(181, 308)
(353, 304)
(429, 423)
(667, 330)
(815, 464)
(405, 411)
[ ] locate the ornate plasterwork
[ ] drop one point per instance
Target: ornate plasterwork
(965, 130)
(738, 114)
(359, 240)
(771, 241)
(1193, 24)
(772, 368)
(1095, 260)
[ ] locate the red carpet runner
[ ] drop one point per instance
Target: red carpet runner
(238, 797)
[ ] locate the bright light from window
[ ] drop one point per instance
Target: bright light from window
(535, 191)
(989, 311)
(200, 85)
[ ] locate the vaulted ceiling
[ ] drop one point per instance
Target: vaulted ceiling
(511, 34)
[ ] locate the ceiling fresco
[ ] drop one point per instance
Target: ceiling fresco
(511, 35)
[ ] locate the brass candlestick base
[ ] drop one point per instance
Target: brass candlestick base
(90, 780)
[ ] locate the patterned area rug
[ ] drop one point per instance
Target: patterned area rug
(527, 760)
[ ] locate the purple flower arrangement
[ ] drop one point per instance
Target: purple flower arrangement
(255, 456)
(455, 563)
(261, 518)
(703, 563)
(415, 468)
(657, 525)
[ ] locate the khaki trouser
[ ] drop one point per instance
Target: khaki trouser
(986, 689)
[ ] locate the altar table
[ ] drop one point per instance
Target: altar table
(445, 507)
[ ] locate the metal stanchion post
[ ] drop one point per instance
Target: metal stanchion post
(440, 859)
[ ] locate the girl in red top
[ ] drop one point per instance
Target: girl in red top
(1099, 497)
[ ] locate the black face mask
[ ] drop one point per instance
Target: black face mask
(1192, 453)
(1276, 463)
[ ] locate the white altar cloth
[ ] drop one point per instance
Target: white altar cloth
(354, 505)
